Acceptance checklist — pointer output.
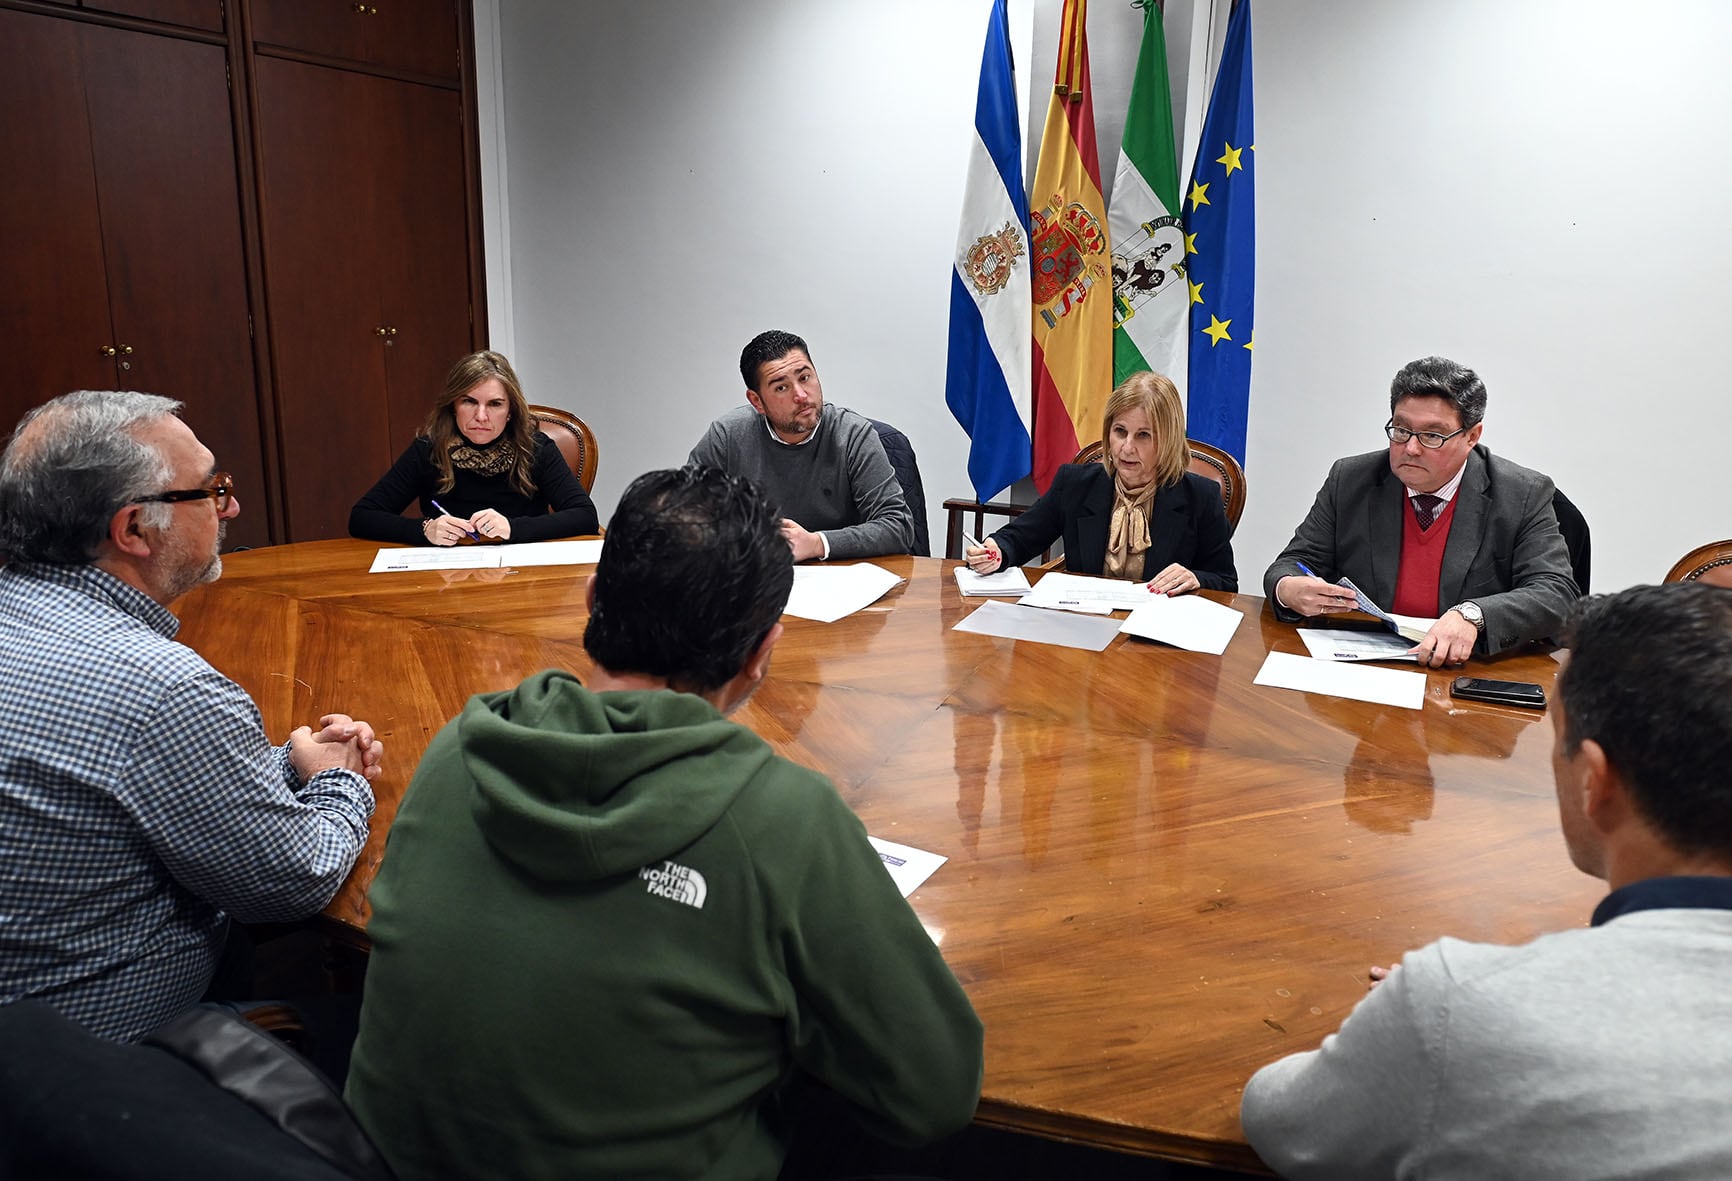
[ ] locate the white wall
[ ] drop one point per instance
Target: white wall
(1528, 187)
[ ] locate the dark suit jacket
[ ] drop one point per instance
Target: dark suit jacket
(1187, 525)
(1504, 551)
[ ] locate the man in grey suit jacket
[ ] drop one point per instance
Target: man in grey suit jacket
(1504, 570)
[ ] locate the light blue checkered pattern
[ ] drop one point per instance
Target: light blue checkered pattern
(140, 801)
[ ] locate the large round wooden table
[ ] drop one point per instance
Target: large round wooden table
(1160, 875)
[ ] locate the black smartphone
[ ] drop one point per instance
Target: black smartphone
(1522, 693)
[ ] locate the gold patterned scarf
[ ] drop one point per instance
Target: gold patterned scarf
(1128, 536)
(498, 456)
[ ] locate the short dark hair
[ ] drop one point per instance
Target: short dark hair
(1649, 678)
(764, 348)
(694, 573)
(71, 465)
(1439, 377)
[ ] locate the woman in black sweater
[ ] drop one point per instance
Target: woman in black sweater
(1137, 514)
(480, 468)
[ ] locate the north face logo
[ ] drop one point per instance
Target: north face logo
(668, 880)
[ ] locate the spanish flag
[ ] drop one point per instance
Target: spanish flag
(1070, 266)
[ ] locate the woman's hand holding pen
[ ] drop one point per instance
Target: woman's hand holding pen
(491, 523)
(449, 530)
(982, 556)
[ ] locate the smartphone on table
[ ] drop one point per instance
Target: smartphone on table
(1522, 693)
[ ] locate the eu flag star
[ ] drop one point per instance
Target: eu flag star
(1199, 195)
(1196, 292)
(1217, 331)
(1190, 243)
(1231, 159)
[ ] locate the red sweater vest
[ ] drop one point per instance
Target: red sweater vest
(1422, 562)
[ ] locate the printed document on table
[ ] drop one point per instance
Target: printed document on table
(1078, 592)
(829, 593)
(1413, 627)
(1328, 643)
(1011, 583)
(1184, 621)
(438, 557)
(586, 552)
(1381, 686)
(908, 866)
(1013, 622)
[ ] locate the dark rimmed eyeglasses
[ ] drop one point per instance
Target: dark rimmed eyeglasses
(1430, 440)
(220, 489)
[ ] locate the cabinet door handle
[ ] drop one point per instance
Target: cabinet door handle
(379, 331)
(366, 10)
(126, 350)
(108, 350)
(390, 332)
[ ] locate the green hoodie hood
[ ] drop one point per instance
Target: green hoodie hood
(572, 786)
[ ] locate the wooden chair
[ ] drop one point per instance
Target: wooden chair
(576, 442)
(1206, 460)
(1711, 563)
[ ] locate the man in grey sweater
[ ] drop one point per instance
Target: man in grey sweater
(1598, 1052)
(822, 466)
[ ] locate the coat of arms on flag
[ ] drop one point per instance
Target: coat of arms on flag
(1069, 242)
(991, 261)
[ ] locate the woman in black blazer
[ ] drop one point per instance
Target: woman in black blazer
(1137, 514)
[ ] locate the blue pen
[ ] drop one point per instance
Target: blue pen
(449, 513)
(1303, 568)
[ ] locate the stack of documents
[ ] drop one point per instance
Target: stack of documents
(487, 557)
(1092, 596)
(1011, 583)
(1328, 643)
(829, 593)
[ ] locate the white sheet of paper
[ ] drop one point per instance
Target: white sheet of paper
(829, 593)
(586, 552)
(1011, 583)
(1079, 592)
(908, 866)
(1381, 686)
(1327, 643)
(436, 557)
(1013, 622)
(1184, 621)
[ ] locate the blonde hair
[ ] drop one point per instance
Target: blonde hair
(1158, 397)
(441, 428)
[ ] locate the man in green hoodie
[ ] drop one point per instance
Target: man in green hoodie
(612, 927)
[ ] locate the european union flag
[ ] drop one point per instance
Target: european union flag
(1221, 245)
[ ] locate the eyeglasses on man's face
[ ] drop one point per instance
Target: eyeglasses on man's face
(220, 489)
(1430, 440)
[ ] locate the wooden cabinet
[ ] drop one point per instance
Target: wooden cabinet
(193, 14)
(366, 247)
(122, 257)
(281, 233)
(412, 36)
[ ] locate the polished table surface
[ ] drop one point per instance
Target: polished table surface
(1160, 875)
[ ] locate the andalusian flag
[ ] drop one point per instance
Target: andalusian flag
(1149, 293)
(1220, 214)
(986, 381)
(1070, 267)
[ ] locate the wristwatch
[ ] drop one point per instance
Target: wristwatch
(1470, 611)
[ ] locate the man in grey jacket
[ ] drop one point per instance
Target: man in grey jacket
(1591, 1053)
(822, 466)
(1434, 526)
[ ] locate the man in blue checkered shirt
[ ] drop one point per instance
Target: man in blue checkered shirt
(141, 805)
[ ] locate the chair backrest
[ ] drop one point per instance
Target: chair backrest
(576, 442)
(1206, 460)
(900, 452)
(1574, 527)
(1711, 563)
